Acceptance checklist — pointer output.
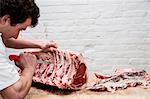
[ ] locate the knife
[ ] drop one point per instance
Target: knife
(16, 58)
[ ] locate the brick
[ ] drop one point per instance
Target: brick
(109, 33)
(60, 2)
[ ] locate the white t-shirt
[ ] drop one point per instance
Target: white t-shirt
(8, 72)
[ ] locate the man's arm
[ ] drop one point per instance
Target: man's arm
(20, 43)
(20, 89)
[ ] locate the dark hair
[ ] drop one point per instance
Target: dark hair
(19, 11)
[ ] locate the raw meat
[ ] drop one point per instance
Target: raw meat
(121, 79)
(66, 70)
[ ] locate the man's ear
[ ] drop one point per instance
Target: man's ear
(5, 19)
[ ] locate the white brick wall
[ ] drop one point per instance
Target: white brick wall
(110, 33)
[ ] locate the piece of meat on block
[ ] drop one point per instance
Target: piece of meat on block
(66, 70)
(121, 79)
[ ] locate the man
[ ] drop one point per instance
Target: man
(17, 15)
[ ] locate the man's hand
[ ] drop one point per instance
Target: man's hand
(49, 46)
(27, 60)
(20, 89)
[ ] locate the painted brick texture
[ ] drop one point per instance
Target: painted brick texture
(110, 33)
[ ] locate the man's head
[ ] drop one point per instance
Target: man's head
(16, 15)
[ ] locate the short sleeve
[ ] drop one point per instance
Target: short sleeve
(8, 72)
(8, 75)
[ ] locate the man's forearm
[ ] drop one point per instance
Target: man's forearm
(26, 79)
(20, 89)
(21, 43)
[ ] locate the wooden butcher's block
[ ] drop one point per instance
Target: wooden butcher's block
(129, 93)
(54, 93)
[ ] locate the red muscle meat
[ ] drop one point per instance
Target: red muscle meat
(65, 70)
(121, 79)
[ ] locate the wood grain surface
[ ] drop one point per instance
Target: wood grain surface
(54, 93)
(129, 93)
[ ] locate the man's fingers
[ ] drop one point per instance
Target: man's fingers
(53, 43)
(50, 45)
(17, 63)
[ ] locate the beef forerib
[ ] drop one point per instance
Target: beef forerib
(66, 70)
